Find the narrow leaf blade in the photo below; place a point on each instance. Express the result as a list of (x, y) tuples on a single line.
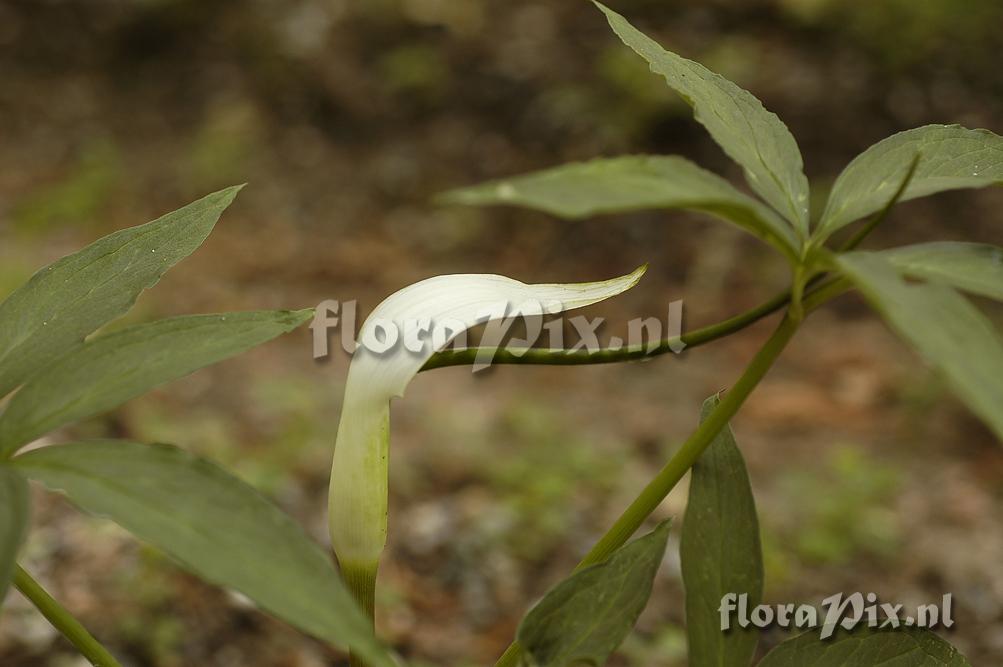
[(214, 524), (751, 136), (630, 183), (902, 647), (972, 267), (73, 297), (111, 369), (585, 617), (13, 522), (943, 327), (951, 157), (720, 552)]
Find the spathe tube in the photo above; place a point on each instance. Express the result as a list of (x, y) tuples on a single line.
[(441, 308)]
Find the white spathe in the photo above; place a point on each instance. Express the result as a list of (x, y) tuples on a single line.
[(441, 307)]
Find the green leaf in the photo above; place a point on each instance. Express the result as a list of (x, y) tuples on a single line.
[(720, 552), (973, 267), (72, 298), (109, 370), (630, 183), (901, 647), (751, 136), (946, 330), (214, 524), (585, 617), (13, 522), (951, 157)]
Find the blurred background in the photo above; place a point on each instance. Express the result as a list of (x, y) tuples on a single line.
[(346, 118)]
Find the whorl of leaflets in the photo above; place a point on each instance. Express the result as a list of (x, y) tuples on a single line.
[(444, 307)]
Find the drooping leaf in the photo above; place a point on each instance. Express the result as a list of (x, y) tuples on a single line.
[(951, 157), (973, 267), (585, 618), (751, 136), (215, 525), (449, 305), (109, 370), (631, 183), (13, 522), (72, 298), (943, 326), (720, 552), (864, 647)]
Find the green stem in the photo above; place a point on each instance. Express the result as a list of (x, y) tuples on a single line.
[(683, 460), (800, 284), (655, 492), (826, 291), (63, 621), (360, 578), (361, 581), (556, 357)]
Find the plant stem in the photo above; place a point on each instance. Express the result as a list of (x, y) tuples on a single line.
[(557, 357), (361, 581), (690, 452), (61, 619), (360, 578), (655, 492), (826, 291)]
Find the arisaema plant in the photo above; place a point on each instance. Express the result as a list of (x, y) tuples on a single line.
[(61, 368)]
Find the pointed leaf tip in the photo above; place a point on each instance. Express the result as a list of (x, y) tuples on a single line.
[(631, 183), (954, 157), (749, 134), (73, 297), (584, 618), (720, 552)]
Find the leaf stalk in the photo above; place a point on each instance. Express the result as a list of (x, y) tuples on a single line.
[(63, 621), (662, 484)]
